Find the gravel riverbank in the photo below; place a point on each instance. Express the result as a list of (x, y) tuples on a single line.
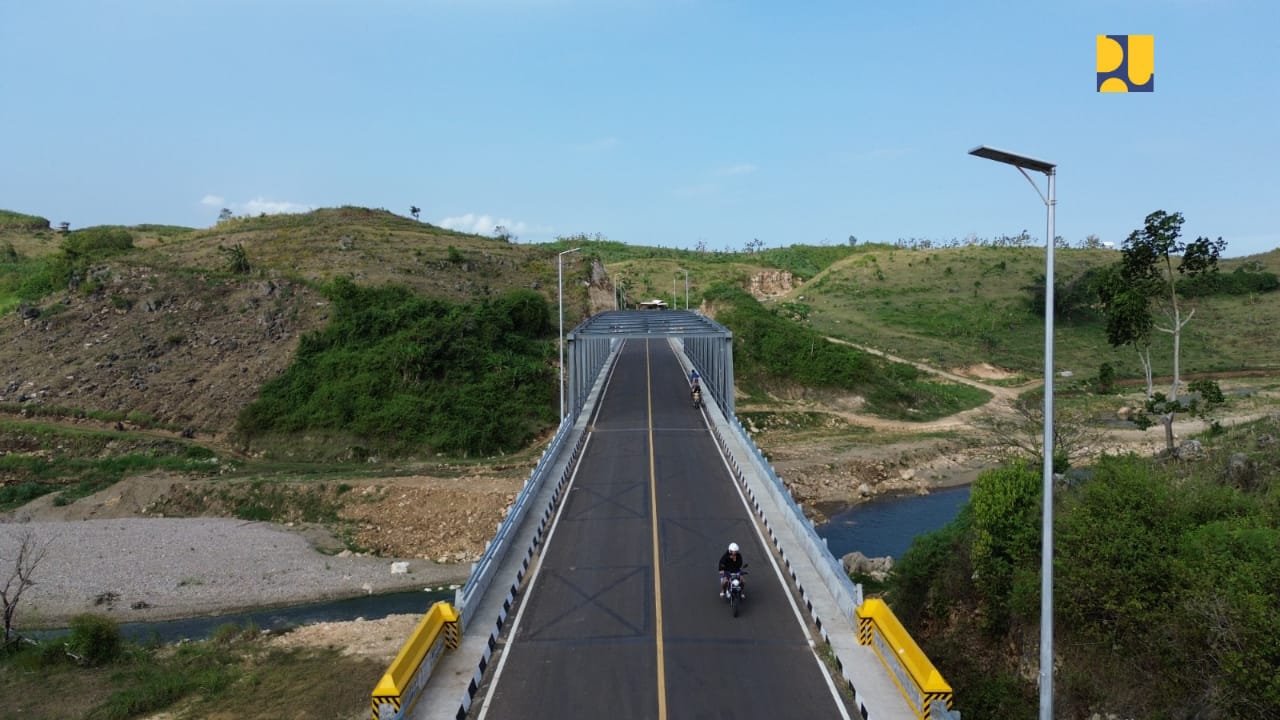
[(139, 569)]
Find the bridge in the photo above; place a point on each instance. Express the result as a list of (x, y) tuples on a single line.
[(599, 596)]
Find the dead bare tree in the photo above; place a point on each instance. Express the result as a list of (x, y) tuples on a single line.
[(29, 553), (1021, 433)]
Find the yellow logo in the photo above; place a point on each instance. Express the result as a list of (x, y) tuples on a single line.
[(1126, 63)]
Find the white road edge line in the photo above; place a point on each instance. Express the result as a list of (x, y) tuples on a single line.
[(804, 627), (533, 579)]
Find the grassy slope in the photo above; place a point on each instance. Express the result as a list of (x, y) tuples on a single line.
[(899, 300), (959, 306)]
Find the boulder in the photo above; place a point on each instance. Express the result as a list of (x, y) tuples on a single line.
[(877, 568)]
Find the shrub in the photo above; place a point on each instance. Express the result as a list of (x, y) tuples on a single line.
[(1106, 381), (1006, 522), (94, 639), (399, 371), (933, 573), (69, 266), (237, 259), (1113, 551)]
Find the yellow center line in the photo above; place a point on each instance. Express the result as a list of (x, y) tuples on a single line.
[(657, 569)]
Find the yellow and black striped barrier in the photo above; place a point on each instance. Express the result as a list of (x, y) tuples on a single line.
[(411, 669), (917, 679)]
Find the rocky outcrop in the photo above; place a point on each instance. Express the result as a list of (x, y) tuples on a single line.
[(768, 284), (181, 349), (877, 568)]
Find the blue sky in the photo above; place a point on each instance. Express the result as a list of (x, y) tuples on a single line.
[(655, 122)]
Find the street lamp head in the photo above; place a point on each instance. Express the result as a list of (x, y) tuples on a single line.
[(1014, 159)]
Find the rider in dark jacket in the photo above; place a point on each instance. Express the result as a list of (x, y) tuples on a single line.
[(730, 562)]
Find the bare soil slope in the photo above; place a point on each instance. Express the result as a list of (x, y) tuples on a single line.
[(185, 350)]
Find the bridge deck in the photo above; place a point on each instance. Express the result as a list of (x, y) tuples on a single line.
[(619, 615), (622, 618)]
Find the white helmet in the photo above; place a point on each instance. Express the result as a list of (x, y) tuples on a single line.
[(733, 547)]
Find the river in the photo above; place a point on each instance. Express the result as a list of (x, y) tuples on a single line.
[(887, 526), (369, 607), (882, 527)]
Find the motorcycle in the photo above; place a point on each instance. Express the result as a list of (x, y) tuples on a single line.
[(697, 399), (736, 593)]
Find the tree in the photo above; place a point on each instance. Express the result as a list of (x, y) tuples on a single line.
[(1020, 434), (1145, 282), (28, 555), (224, 214), (1091, 242), (503, 234), (414, 210)]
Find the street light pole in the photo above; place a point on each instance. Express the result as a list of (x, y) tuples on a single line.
[(560, 295), (686, 289), (1023, 164)]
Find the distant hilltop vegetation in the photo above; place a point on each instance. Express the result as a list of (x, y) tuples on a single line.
[(10, 220)]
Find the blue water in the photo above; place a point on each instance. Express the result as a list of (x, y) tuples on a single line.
[(369, 607), (887, 526), (878, 528)]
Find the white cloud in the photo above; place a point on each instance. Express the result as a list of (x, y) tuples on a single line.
[(258, 205), (739, 169), (483, 224)]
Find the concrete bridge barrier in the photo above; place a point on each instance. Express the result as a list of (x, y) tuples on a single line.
[(917, 679), (409, 672)]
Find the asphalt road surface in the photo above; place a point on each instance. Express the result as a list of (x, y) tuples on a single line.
[(622, 618)]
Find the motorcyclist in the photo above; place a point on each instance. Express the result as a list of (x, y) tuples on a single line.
[(696, 395), (730, 562)]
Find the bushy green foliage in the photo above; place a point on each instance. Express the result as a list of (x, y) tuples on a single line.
[(32, 280), (935, 565), (11, 219), (20, 493), (94, 639), (1075, 297), (78, 462), (96, 242), (804, 261), (1241, 281), (1005, 523), (237, 259), (1229, 572), (771, 348), (1114, 543), (405, 373), (1166, 581), (1105, 383)]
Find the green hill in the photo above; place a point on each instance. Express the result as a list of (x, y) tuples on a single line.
[(351, 342)]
